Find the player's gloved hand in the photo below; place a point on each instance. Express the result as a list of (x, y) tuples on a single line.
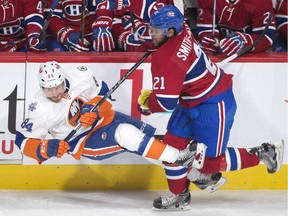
[(138, 41), (102, 38), (7, 46), (111, 4), (209, 44), (131, 41), (143, 102), (70, 39), (52, 148), (36, 43), (88, 118), (234, 42)]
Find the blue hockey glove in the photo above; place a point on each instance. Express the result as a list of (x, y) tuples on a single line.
[(52, 148)]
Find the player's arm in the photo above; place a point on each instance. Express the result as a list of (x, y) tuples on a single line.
[(34, 12), (31, 136), (90, 118), (41, 149), (166, 89), (259, 21)]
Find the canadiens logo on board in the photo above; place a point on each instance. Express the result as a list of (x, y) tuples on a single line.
[(104, 136)]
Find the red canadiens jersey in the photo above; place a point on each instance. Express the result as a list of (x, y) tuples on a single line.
[(181, 70), (20, 19), (68, 13), (242, 16)]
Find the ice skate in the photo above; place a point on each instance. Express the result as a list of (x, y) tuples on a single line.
[(193, 155), (173, 202), (210, 182), (271, 155)]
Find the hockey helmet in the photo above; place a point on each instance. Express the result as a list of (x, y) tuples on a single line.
[(50, 74), (168, 16)]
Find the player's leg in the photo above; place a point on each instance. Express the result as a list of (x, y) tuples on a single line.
[(241, 158), (134, 140), (212, 126)]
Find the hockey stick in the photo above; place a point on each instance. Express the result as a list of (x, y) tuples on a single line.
[(214, 19), (248, 48), (48, 18), (133, 25), (82, 27), (108, 94)]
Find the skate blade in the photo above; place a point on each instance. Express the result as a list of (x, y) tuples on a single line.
[(215, 187), (173, 209), (279, 155)]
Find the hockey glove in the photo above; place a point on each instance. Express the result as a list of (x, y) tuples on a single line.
[(52, 148), (102, 38), (36, 44), (7, 46), (143, 102), (87, 117), (138, 41), (70, 39), (111, 4), (209, 44), (234, 42)]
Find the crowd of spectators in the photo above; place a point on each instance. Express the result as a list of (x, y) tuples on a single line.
[(123, 25)]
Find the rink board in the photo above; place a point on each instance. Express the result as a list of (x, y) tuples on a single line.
[(260, 86)]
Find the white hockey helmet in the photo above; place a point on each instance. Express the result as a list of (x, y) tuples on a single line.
[(50, 74)]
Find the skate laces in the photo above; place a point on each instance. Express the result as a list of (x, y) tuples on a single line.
[(169, 199)]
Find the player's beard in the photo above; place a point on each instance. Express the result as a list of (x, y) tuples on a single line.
[(158, 43)]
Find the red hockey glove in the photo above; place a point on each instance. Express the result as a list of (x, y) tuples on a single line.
[(143, 102), (36, 44), (232, 43), (138, 41), (52, 148), (209, 44), (70, 39), (7, 46), (102, 38), (112, 4)]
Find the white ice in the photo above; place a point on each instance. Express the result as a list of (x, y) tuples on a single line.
[(138, 203)]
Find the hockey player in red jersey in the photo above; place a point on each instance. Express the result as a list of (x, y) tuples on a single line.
[(21, 23), (79, 27), (66, 98), (235, 25), (200, 96), (130, 23)]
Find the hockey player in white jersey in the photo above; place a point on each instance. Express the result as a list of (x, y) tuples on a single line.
[(64, 99)]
